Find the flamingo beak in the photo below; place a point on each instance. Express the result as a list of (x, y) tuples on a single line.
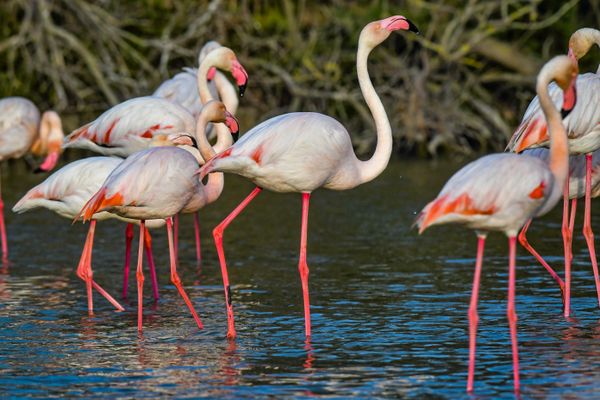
[(49, 162), (233, 125), (211, 74), (240, 75), (569, 100), (398, 22)]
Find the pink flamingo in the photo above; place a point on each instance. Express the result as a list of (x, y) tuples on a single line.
[(65, 192), (300, 152), (158, 183), (583, 128), (182, 88), (501, 192), (22, 131)]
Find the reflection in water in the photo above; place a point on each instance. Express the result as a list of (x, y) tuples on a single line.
[(389, 307)]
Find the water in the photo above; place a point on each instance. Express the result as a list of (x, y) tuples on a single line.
[(389, 307)]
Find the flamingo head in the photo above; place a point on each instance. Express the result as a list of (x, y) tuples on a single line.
[(566, 79), (581, 41), (377, 31), (215, 111), (225, 59), (183, 139), (208, 47), (51, 139)]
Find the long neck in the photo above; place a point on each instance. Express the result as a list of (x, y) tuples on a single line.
[(224, 139), (371, 168), (559, 147), (202, 81), (227, 92)]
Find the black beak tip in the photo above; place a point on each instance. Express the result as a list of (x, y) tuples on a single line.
[(242, 89), (412, 27), (235, 135), (38, 170)]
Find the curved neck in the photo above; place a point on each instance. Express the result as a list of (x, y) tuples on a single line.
[(214, 186), (227, 92), (224, 139), (202, 79), (371, 168), (559, 146)]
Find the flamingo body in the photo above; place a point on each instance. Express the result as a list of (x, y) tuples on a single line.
[(150, 184), (497, 192), (294, 152), (19, 121), (130, 126)]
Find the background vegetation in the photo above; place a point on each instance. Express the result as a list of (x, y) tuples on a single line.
[(461, 85)]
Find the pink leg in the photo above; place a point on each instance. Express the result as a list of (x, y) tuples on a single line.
[(302, 266), (175, 277), (197, 233), (3, 230), (128, 240), (148, 246), (526, 245), (84, 271), (510, 311), (176, 239), (140, 275), (473, 317), (587, 223), (218, 235), (572, 218), (567, 250)]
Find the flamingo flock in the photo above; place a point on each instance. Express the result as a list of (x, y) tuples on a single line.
[(166, 154)]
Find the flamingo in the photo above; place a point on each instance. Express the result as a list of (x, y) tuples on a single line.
[(583, 128), (129, 127), (22, 131), (300, 152), (501, 192), (158, 183), (182, 88)]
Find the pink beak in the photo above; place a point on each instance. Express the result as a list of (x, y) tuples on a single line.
[(212, 71), (233, 125), (240, 75), (398, 22), (50, 161)]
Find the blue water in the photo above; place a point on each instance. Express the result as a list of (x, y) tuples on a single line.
[(389, 308)]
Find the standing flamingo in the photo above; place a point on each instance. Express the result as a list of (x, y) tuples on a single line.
[(65, 192), (182, 88), (22, 131), (158, 183), (501, 192), (583, 130), (300, 152)]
